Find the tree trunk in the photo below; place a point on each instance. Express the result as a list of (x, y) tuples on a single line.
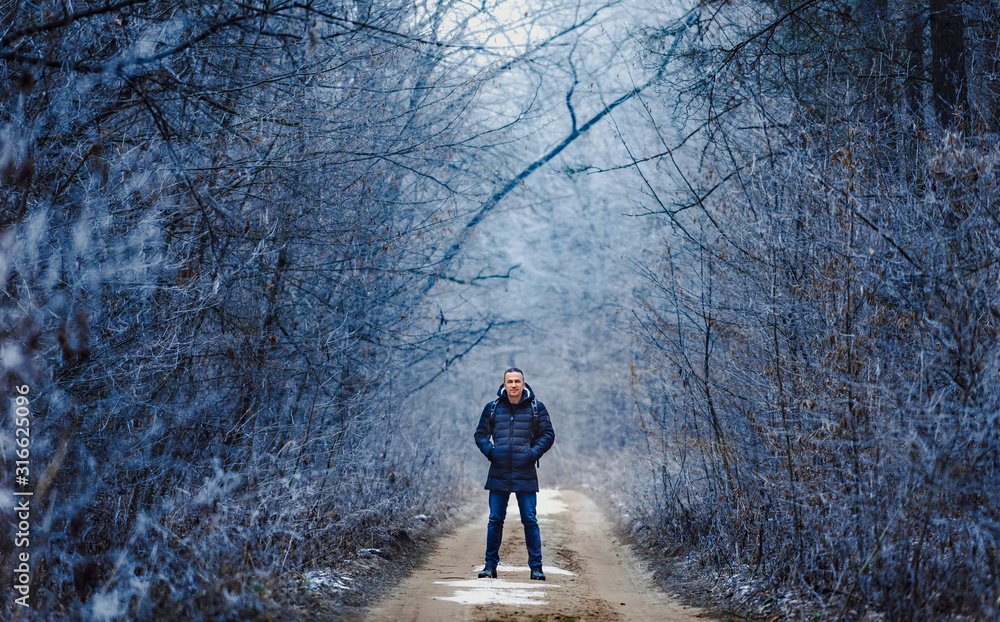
[(948, 77), (913, 66), (991, 62)]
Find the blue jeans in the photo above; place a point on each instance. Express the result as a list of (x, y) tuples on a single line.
[(494, 532)]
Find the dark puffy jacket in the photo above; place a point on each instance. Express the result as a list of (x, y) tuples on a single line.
[(514, 449)]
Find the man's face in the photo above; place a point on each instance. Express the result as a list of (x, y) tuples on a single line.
[(514, 383)]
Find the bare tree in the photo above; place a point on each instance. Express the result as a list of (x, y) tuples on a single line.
[(821, 349), (216, 220)]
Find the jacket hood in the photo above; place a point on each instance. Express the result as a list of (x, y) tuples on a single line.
[(528, 393)]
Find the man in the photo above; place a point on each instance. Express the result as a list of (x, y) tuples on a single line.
[(514, 432)]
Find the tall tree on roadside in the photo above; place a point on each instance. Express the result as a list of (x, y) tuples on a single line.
[(853, 344), (949, 84)]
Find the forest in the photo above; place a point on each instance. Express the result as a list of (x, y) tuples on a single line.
[(262, 264)]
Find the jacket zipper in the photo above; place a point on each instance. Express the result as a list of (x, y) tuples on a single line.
[(510, 444)]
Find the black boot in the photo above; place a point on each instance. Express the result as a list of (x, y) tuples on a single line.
[(537, 574), (488, 572)]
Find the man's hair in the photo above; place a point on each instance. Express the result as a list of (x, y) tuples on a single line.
[(513, 369)]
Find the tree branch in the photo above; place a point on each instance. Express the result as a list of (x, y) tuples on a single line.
[(506, 188)]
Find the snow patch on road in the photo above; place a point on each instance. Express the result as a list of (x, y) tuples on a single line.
[(549, 502), (494, 597), (496, 592), (497, 583), (502, 591)]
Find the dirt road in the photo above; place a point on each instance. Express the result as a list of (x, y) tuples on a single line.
[(591, 575)]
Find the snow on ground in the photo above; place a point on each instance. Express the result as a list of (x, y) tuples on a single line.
[(497, 594), (315, 579), (549, 502), (500, 591)]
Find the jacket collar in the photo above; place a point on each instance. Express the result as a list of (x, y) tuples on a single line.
[(528, 394)]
